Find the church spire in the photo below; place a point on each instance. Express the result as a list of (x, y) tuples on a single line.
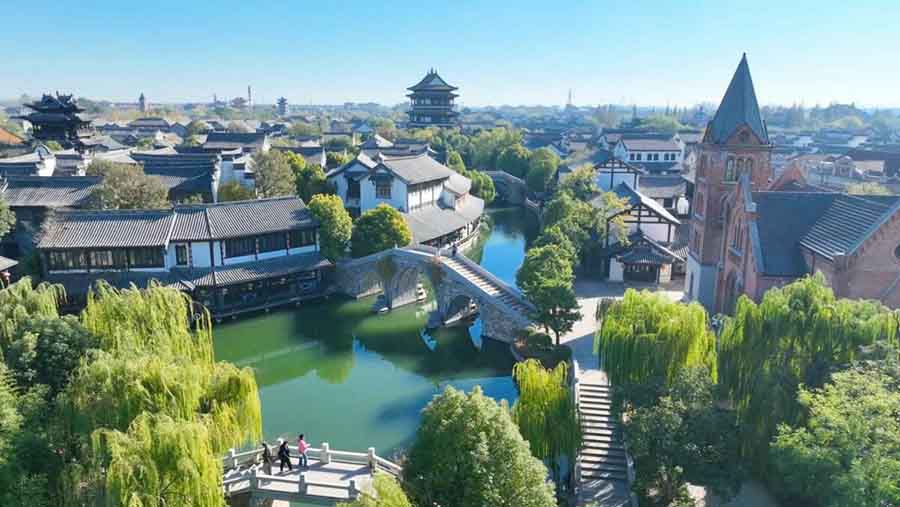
[(738, 108)]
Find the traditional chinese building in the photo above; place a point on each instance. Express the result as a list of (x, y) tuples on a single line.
[(431, 102), (56, 119)]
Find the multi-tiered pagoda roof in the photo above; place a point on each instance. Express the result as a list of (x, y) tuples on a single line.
[(56, 118)]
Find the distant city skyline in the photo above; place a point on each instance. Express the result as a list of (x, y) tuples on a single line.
[(530, 54)]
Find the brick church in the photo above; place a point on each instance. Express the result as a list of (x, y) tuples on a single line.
[(750, 233)]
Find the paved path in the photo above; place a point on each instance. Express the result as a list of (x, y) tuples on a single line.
[(602, 464)]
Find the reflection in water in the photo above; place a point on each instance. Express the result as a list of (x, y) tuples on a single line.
[(338, 373)]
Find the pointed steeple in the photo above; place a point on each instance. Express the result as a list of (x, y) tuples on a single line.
[(738, 108)]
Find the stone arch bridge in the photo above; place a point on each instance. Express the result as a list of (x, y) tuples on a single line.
[(458, 281)]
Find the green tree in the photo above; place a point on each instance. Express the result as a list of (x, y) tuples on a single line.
[(514, 160), (542, 167), (53, 146), (336, 226), (794, 336), (233, 191), (646, 335), (682, 436), (564, 206), (385, 127), (482, 186), (304, 129), (341, 143), (196, 128), (455, 162), (847, 450), (335, 159), (543, 265), (125, 186), (487, 145), (556, 236), (147, 143), (310, 178), (7, 218), (378, 229), (238, 127), (274, 177), (153, 410), (388, 493), (545, 413), (556, 307), (581, 183), (660, 123), (468, 451)]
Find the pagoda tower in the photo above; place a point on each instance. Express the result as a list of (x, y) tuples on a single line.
[(431, 102), (55, 118), (736, 142), (142, 104)]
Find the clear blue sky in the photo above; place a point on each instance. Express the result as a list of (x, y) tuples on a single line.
[(523, 52)]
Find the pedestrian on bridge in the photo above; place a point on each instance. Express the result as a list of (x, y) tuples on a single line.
[(302, 447), (284, 454), (267, 458)]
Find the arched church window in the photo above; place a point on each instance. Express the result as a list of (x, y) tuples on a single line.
[(749, 168), (729, 169), (740, 165)]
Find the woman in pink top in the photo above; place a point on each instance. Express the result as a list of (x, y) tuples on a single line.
[(302, 446)]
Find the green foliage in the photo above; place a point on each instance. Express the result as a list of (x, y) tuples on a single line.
[(335, 159), (309, 178), (21, 301), (609, 219), (7, 218), (388, 493), (196, 128), (378, 229), (385, 127), (556, 307), (847, 452), (542, 167), (152, 397), (146, 143), (580, 183), (796, 335), (556, 236), (514, 160), (125, 186), (482, 186), (304, 129), (53, 146), (660, 123), (274, 177), (542, 266), (564, 206), (338, 143), (237, 126), (868, 188), (336, 227), (682, 436), (455, 162), (545, 413), (487, 145), (192, 199), (468, 451), (234, 191), (645, 335)]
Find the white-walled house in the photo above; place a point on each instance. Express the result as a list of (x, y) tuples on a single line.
[(654, 153), (433, 198), (230, 256)]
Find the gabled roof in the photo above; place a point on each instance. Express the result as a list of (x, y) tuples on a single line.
[(847, 223), (375, 142), (107, 229), (662, 186), (737, 109), (431, 82), (416, 168), (635, 198), (240, 218), (649, 143), (49, 191)]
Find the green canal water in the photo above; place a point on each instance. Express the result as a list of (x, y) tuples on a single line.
[(340, 374)]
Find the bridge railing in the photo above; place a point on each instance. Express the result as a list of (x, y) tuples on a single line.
[(513, 291), (323, 454)]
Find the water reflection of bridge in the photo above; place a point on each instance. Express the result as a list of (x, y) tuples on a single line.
[(461, 287)]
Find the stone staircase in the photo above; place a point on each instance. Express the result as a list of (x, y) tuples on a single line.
[(603, 458), (484, 283)]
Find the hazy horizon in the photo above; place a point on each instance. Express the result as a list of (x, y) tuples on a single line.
[(678, 55)]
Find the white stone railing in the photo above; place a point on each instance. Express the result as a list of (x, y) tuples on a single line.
[(324, 454)]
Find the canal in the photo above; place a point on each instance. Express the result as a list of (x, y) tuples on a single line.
[(340, 374)]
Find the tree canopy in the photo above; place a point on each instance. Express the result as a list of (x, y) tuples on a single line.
[(7, 218), (514, 160), (468, 451), (309, 178), (542, 167), (796, 335), (125, 186), (646, 335), (274, 177), (580, 183), (233, 191), (543, 266), (336, 226), (378, 229)]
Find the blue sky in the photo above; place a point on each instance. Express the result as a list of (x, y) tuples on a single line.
[(523, 52)]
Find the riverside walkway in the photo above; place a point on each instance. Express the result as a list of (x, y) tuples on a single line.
[(332, 477)]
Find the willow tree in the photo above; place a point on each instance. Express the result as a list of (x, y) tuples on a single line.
[(154, 401), (646, 335), (545, 413), (794, 337), (21, 301)]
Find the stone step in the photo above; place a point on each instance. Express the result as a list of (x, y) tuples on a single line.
[(607, 463), (603, 451), (607, 439), (601, 474), (594, 406), (594, 396)]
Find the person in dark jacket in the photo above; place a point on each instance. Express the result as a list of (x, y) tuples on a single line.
[(284, 454), (267, 459)]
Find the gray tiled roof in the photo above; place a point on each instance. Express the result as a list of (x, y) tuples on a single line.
[(182, 172), (417, 168), (783, 218), (433, 222), (240, 218), (634, 198), (662, 186), (738, 107), (847, 223), (647, 143), (49, 192), (224, 140), (431, 82), (107, 229), (250, 271)]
